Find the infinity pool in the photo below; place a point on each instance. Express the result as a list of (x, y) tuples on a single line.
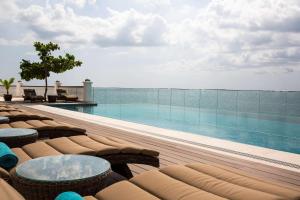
[(280, 132)]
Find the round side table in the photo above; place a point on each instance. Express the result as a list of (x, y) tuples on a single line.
[(4, 120), (46, 177), (17, 137)]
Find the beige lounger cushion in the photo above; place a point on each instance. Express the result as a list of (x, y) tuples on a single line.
[(74, 128), (82, 144), (47, 128), (89, 198), (4, 174), (20, 124), (15, 113), (4, 114), (126, 191), (21, 154), (8, 193), (226, 174), (124, 146), (3, 109), (22, 114), (55, 124), (39, 149), (198, 181), (67, 146), (191, 182), (213, 185), (93, 144), (5, 126), (39, 125), (166, 187)]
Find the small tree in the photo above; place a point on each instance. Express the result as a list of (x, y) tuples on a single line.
[(41, 70), (7, 84)]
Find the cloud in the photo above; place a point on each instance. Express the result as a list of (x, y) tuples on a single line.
[(242, 34), (8, 10), (223, 35), (131, 28), (128, 28), (267, 15), (24, 40), (80, 3), (154, 3)]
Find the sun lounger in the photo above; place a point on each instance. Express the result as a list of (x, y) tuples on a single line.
[(6, 106), (118, 152), (4, 109), (62, 95), (47, 128), (7, 192), (30, 94), (190, 182), (196, 181), (21, 115)]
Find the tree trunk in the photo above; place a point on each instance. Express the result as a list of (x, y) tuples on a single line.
[(46, 85)]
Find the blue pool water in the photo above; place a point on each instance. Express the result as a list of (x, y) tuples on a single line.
[(269, 126)]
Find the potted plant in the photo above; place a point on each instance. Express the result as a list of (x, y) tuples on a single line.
[(7, 84)]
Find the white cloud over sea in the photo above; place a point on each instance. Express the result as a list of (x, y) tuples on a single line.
[(162, 40)]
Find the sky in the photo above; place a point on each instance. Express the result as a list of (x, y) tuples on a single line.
[(206, 44)]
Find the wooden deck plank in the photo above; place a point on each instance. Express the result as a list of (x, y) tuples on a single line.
[(174, 153)]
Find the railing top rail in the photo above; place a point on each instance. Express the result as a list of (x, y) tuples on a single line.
[(200, 89)]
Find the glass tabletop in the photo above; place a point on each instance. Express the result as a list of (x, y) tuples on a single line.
[(4, 119), (14, 132), (63, 168)]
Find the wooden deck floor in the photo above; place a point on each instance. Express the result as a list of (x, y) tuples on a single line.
[(173, 153)]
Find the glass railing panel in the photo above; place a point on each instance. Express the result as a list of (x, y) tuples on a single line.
[(272, 102), (209, 99), (129, 96), (293, 104), (248, 101), (164, 96), (114, 96), (209, 103), (293, 97), (192, 98), (151, 95), (227, 100), (178, 97), (100, 95), (293, 110)]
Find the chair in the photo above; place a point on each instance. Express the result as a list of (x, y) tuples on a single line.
[(118, 152), (62, 95), (197, 181), (4, 109), (22, 115), (30, 94), (46, 128), (186, 182)]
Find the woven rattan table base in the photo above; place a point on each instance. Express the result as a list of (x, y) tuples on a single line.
[(19, 141), (37, 190)]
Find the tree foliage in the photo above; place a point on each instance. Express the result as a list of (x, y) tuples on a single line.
[(7, 84), (48, 63)]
